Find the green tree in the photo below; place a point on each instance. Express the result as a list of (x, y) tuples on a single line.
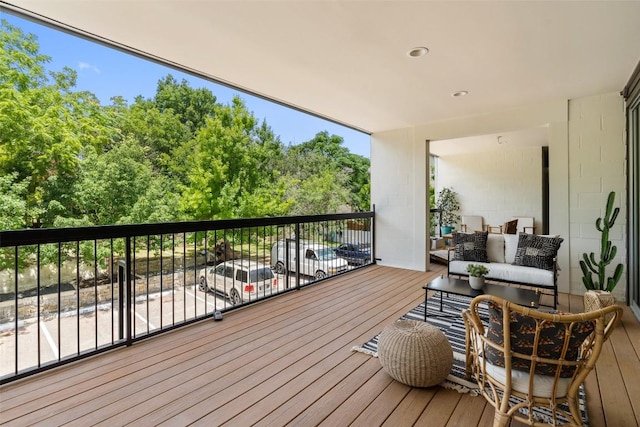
[(12, 205), (160, 132), (111, 182), (44, 125), (192, 106), (159, 203), (228, 176), (325, 158)]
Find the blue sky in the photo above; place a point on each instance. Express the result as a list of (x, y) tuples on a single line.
[(107, 72)]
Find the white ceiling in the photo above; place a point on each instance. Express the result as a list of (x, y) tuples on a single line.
[(536, 137), (347, 60)]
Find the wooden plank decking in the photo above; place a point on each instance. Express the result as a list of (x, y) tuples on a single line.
[(287, 361)]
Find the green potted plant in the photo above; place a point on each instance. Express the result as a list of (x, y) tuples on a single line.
[(447, 203), (476, 275), (594, 270)]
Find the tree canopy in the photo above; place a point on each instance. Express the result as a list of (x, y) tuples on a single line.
[(66, 159)]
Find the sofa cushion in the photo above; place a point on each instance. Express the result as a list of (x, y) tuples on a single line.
[(543, 385), (508, 273), (495, 247), (510, 246), (470, 246), (523, 335), (537, 251)]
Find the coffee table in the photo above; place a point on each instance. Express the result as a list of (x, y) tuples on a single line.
[(450, 285)]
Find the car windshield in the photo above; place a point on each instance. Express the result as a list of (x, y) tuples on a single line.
[(261, 274), (326, 254)]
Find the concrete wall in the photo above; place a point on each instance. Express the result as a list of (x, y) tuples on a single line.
[(398, 189), (496, 184), (597, 152), (586, 160)]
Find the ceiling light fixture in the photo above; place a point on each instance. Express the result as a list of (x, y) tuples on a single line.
[(417, 52), (460, 93)]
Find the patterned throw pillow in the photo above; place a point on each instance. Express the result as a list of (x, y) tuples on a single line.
[(550, 345), (470, 246), (537, 251)]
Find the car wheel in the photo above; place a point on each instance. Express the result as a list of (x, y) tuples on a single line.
[(234, 297), (203, 284), (280, 268), (320, 274)]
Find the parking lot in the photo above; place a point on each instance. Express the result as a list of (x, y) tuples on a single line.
[(70, 331)]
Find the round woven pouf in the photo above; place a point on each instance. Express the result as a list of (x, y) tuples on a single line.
[(415, 353)]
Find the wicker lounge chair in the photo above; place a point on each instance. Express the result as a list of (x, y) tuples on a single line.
[(540, 357)]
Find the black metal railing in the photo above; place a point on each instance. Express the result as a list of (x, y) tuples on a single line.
[(70, 293)]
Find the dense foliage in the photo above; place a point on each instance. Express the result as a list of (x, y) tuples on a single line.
[(65, 159)]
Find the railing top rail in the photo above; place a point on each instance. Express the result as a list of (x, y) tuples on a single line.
[(55, 235)]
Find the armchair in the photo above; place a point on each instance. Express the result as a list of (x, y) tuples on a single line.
[(542, 358), (471, 223), (526, 224)]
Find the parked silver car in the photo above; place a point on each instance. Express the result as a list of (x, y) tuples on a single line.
[(239, 280)]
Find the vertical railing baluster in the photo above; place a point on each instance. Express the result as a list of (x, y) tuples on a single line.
[(206, 272), (195, 275), (147, 280), (17, 316), (121, 297), (110, 273), (78, 345), (372, 230), (59, 296), (129, 289), (38, 304), (173, 279), (206, 262), (297, 228), (95, 289), (184, 275), (161, 287)]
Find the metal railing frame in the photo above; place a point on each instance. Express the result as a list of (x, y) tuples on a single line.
[(125, 334)]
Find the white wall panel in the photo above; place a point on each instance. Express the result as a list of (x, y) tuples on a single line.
[(398, 190)]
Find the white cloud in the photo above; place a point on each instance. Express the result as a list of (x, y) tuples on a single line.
[(86, 66)]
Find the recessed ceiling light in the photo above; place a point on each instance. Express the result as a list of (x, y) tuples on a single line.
[(418, 51), (460, 93)]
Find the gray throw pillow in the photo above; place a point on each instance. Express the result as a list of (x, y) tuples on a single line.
[(470, 246), (537, 251)]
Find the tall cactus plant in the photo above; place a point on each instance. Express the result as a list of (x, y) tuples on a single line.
[(590, 266)]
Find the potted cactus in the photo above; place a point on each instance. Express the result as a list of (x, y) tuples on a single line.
[(594, 270)]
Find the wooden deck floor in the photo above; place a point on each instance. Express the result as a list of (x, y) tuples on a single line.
[(287, 361)]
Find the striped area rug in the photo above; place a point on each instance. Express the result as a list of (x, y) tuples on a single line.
[(451, 324)]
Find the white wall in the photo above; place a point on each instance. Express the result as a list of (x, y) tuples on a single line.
[(401, 144), (586, 161), (597, 152), (398, 190), (496, 184)]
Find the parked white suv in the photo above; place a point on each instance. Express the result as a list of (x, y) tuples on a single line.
[(240, 280)]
